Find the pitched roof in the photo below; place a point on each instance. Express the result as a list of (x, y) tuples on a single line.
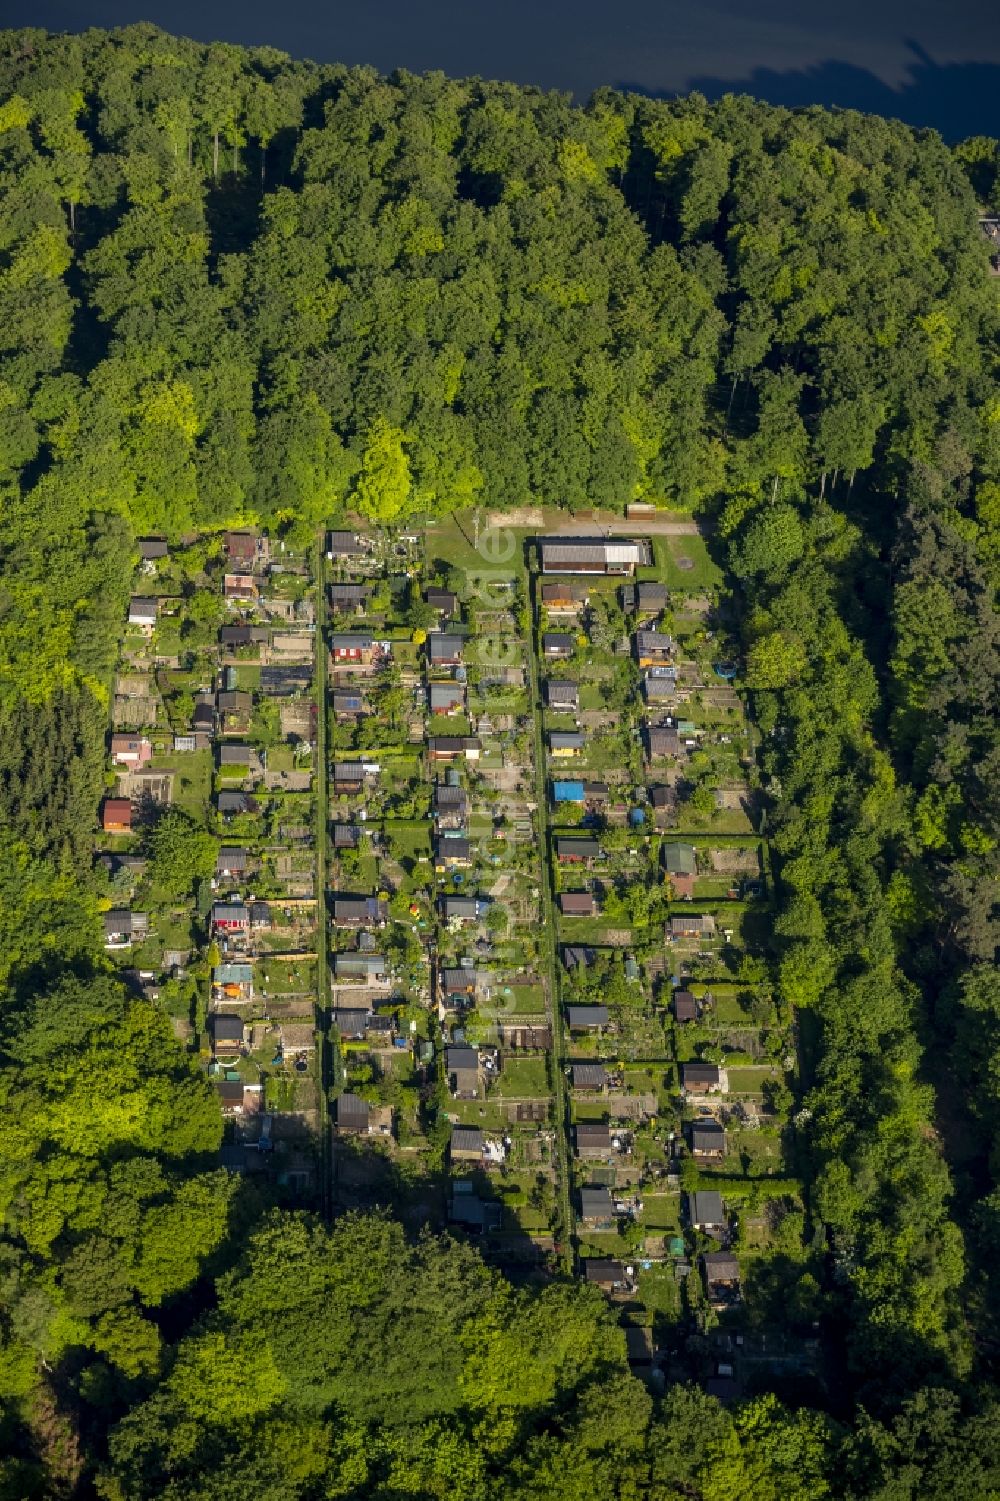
[(650, 595), (708, 1136), (459, 978), (721, 1266), (654, 641), (449, 745), (589, 1075), (343, 544), (685, 1006), (347, 701), (350, 1021), (461, 1058), (579, 848), (226, 1027), (596, 1204), (695, 923), (466, 1139), (700, 1073), (587, 1016), (348, 771), (240, 544), (352, 1112), (561, 691), (444, 645), (576, 903), (228, 912), (235, 801), (593, 550), (679, 859), (461, 906), (452, 850), (235, 755), (441, 599), (351, 640), (231, 857), (357, 909), (592, 1134), (706, 1207), (446, 695), (603, 1269), (446, 796), (662, 741)]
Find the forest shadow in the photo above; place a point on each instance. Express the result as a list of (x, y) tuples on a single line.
[(956, 99), (369, 1180)]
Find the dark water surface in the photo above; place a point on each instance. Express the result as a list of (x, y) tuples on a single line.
[(930, 62)]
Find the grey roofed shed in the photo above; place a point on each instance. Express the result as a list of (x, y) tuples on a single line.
[(348, 594), (445, 695), (561, 692), (226, 1027), (721, 1266), (566, 740), (587, 1016), (603, 1269), (352, 1113), (350, 1021), (679, 859), (342, 544), (566, 554), (591, 1136), (699, 1073), (649, 595), (580, 849), (706, 1207), (461, 1057), (444, 646), (708, 1137), (589, 1075), (596, 1204), (466, 1139)]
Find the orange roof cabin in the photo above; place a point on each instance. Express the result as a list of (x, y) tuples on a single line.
[(131, 750), (240, 586), (116, 815)]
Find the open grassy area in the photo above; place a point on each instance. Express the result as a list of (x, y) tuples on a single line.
[(661, 1211), (523, 1078), (685, 564)]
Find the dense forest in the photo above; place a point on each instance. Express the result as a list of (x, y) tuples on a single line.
[(234, 287)]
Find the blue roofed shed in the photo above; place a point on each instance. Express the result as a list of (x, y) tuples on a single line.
[(568, 792)]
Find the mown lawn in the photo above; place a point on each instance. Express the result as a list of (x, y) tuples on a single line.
[(523, 1078)]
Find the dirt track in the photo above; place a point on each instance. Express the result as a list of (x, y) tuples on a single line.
[(532, 516)]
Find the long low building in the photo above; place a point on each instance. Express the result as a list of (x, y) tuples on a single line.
[(606, 555)]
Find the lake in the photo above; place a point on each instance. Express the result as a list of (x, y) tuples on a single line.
[(926, 62)]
